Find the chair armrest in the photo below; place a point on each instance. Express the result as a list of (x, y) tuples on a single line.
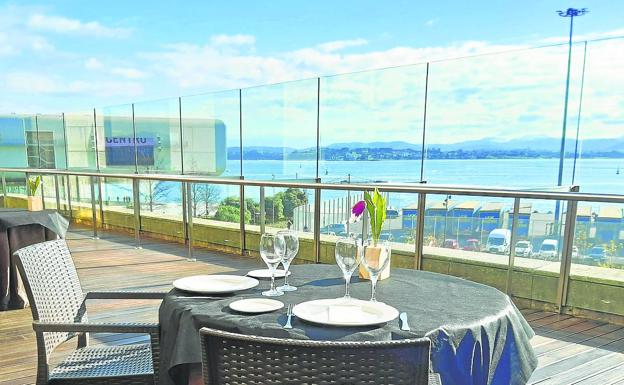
[(79, 327), (434, 379), (125, 295)]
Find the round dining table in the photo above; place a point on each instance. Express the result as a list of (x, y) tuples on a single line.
[(478, 335)]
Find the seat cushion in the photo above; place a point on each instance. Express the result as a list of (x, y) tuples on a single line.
[(105, 361)]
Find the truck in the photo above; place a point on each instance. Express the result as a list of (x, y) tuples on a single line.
[(498, 241)]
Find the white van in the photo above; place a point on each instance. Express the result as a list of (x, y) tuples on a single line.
[(498, 241), (549, 249)]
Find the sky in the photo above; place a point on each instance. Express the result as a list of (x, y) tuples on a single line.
[(70, 56)]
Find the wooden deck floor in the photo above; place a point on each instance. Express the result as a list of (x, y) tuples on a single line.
[(570, 350)]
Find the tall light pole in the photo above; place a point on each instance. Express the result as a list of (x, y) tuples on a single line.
[(571, 13)]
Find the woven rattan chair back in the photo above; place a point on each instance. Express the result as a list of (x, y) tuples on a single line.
[(52, 286), (236, 359)]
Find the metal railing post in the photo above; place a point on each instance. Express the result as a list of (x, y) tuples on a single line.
[(99, 186), (262, 210), (136, 203), (243, 206), (68, 191), (317, 224), (93, 212), (184, 212), (512, 246), (57, 193), (4, 190), (189, 223), (419, 235), (566, 255), (42, 192)]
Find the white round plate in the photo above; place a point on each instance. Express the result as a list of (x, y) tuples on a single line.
[(341, 312), (266, 273), (215, 284), (256, 305)]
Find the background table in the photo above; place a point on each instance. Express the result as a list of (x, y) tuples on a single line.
[(478, 335), (20, 228)]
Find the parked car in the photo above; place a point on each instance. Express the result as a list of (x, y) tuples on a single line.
[(335, 229), (450, 244), (392, 213), (597, 254), (472, 245), (498, 241), (524, 249), (386, 236), (549, 249)]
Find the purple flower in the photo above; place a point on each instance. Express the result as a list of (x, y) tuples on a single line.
[(357, 211)]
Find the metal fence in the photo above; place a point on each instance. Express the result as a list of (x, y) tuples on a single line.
[(570, 199)]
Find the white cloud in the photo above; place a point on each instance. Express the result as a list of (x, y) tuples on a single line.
[(431, 22), (125, 72), (38, 83), (14, 43), (583, 37), (239, 39), (129, 73), (93, 64), (30, 82), (61, 24), (341, 44)]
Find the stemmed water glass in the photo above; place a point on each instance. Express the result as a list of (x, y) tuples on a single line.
[(291, 243), (272, 250), (348, 257), (375, 260)]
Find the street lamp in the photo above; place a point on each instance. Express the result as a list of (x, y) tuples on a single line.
[(571, 13)]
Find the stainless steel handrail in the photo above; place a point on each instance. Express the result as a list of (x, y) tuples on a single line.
[(398, 188)]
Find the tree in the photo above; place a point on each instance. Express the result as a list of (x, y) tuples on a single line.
[(253, 208), (156, 191), (230, 214), (233, 201), (203, 195), (291, 199), (581, 241), (227, 213), (274, 208)]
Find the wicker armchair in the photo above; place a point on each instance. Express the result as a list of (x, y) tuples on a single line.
[(236, 359), (59, 313)]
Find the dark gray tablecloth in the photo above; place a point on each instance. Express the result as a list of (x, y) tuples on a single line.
[(478, 335), (20, 228)]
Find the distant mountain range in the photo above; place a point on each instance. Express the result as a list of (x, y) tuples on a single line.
[(545, 147), (535, 144)]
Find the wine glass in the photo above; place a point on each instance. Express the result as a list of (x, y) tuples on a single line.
[(291, 243), (375, 260), (272, 252), (348, 257)]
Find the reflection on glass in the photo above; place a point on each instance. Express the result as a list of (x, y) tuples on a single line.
[(80, 132), (279, 131), (600, 167), (211, 133), (372, 121), (18, 141), (116, 142), (157, 126), (501, 115)]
